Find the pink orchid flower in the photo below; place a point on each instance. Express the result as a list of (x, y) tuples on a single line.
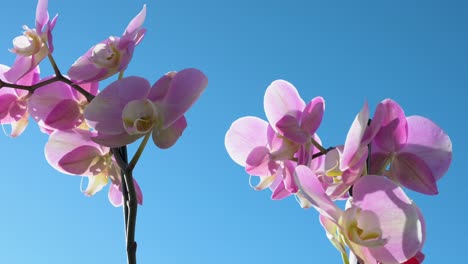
[(59, 106), (14, 102), (289, 115), (380, 224), (34, 45), (416, 150), (345, 164), (130, 108), (271, 150), (110, 56), (73, 152)]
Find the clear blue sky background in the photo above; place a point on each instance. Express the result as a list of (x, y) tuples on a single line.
[(198, 205)]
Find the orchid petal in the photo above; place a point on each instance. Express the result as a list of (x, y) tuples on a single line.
[(354, 137), (393, 134), (312, 115), (313, 190), (167, 137), (115, 195), (400, 221), (244, 135), (136, 23), (413, 173), (185, 88), (289, 127), (430, 143), (104, 112), (281, 98)]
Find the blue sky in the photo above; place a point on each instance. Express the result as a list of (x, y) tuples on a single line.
[(198, 205)]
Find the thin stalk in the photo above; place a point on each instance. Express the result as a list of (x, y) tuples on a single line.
[(317, 145), (138, 153)]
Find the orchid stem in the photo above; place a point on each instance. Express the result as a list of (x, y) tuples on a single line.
[(317, 145), (54, 65), (132, 207), (138, 153)]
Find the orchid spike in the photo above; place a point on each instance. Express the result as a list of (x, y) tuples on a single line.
[(110, 56)]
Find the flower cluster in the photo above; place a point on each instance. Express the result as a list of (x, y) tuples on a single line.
[(379, 157), (84, 125)]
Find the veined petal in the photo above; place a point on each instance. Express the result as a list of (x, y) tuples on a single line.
[(281, 98), (312, 189), (104, 113), (185, 88), (258, 162), (430, 143), (83, 160), (331, 230), (311, 117), (42, 15), (115, 141), (400, 221), (62, 143), (136, 23), (115, 195), (354, 137), (167, 137), (413, 173), (290, 128), (244, 135), (393, 134)]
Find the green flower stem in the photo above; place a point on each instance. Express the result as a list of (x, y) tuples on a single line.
[(138, 153)]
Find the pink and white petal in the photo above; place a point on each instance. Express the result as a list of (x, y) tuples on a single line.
[(139, 193), (185, 88), (63, 142), (161, 87), (354, 137), (331, 229), (135, 24), (82, 161), (281, 98), (245, 134), (7, 99), (115, 195), (312, 115), (167, 137), (115, 141), (430, 143), (42, 15), (375, 125), (290, 128), (84, 70), (280, 192), (45, 100), (30, 78), (312, 189), (258, 163), (401, 223), (104, 112), (413, 173), (393, 134), (288, 177), (21, 67), (65, 115)]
